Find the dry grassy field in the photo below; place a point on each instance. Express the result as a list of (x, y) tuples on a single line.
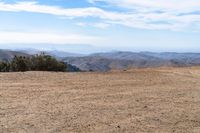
[(163, 100)]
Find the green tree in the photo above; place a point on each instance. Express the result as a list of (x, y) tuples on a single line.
[(40, 62), (20, 64), (4, 67)]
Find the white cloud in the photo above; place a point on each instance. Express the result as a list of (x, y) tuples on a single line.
[(151, 14), (97, 25), (101, 25), (54, 10), (81, 24), (183, 5), (50, 38)]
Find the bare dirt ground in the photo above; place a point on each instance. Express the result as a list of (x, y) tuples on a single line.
[(163, 100)]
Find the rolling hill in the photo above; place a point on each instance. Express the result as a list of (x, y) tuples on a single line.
[(125, 60), (153, 100), (6, 55), (115, 60)]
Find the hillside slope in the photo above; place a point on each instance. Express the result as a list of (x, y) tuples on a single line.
[(125, 60), (6, 55), (116, 60), (149, 100)]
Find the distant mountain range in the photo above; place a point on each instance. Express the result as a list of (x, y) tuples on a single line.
[(7, 55), (55, 53), (126, 60), (114, 60)]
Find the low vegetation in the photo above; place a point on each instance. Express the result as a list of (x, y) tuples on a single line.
[(153, 100), (33, 63)]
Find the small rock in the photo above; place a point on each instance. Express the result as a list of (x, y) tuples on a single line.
[(145, 106)]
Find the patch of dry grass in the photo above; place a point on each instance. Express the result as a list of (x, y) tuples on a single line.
[(141, 100)]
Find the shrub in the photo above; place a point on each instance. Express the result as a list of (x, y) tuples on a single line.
[(20, 63), (33, 63), (4, 67)]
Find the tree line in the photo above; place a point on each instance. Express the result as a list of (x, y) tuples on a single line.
[(40, 62)]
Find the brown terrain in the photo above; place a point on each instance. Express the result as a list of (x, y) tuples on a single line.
[(159, 100)]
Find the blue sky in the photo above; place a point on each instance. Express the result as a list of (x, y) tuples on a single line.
[(131, 25)]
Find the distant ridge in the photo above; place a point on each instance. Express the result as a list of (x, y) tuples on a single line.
[(115, 60), (125, 60), (6, 55), (55, 53)]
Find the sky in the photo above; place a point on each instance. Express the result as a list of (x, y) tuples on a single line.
[(101, 25)]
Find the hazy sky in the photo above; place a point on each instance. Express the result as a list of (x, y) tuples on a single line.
[(140, 25)]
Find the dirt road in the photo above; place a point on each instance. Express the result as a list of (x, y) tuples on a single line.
[(145, 100)]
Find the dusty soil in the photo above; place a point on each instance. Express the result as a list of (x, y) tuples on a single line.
[(161, 100)]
